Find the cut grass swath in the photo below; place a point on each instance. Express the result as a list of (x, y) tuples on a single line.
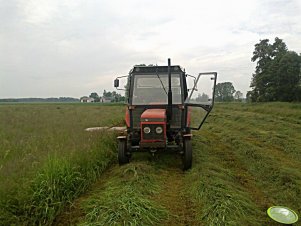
[(125, 199)]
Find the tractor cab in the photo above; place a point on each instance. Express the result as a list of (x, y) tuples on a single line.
[(151, 87), (160, 109)]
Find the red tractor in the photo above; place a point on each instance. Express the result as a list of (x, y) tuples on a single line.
[(162, 110)]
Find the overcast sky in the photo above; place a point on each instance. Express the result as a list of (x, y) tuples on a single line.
[(53, 48)]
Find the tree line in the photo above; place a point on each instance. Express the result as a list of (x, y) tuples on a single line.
[(107, 96), (38, 100)]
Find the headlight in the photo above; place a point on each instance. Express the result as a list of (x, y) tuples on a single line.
[(146, 130), (159, 129)]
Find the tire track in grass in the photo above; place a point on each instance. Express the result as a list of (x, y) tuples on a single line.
[(174, 197)]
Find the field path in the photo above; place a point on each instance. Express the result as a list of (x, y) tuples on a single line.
[(175, 199)]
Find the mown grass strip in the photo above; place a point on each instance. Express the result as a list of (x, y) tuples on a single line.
[(253, 156), (221, 200), (126, 199), (277, 173)]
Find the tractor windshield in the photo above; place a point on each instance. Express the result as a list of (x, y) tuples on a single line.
[(153, 88)]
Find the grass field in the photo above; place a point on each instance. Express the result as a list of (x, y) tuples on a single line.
[(47, 159), (247, 157)]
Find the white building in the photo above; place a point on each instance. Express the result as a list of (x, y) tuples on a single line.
[(86, 99)]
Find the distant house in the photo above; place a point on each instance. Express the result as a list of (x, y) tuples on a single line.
[(86, 99), (106, 99)]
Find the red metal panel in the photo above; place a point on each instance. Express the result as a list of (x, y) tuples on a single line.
[(189, 116), (127, 117), (154, 113)]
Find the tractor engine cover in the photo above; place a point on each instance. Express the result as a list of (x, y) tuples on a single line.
[(153, 128)]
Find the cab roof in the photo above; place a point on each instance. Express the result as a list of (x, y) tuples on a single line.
[(157, 69)]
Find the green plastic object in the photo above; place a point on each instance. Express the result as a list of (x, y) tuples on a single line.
[(282, 214)]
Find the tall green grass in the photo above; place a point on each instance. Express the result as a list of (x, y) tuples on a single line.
[(48, 158)]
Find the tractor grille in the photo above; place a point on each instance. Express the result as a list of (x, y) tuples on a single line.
[(152, 135)]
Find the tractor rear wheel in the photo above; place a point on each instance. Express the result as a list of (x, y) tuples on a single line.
[(187, 156), (122, 155)]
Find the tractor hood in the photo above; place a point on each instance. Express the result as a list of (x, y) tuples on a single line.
[(151, 114)]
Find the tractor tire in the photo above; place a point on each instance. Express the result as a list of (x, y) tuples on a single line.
[(122, 155), (187, 156)]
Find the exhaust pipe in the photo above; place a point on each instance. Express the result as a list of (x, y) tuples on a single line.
[(169, 107)]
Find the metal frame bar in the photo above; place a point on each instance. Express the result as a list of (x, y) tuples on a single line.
[(207, 108)]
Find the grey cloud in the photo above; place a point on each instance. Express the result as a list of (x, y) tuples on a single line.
[(75, 47), (274, 17)]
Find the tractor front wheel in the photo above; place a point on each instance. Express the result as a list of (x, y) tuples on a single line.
[(122, 155), (187, 156)]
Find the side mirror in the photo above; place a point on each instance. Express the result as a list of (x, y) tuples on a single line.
[(116, 83)]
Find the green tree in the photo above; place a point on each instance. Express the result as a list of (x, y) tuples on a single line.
[(95, 97), (238, 95), (224, 91), (277, 73), (114, 96), (288, 78), (202, 98), (249, 96), (107, 94)]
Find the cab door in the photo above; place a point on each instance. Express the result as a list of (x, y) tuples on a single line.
[(200, 99)]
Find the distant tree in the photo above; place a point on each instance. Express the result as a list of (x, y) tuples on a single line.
[(202, 98), (277, 73), (117, 97), (238, 95), (113, 96), (249, 96), (107, 94), (224, 91), (51, 99), (95, 97)]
